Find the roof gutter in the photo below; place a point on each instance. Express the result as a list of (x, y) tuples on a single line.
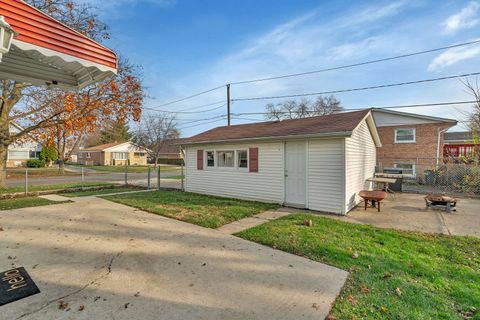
[(342, 134)]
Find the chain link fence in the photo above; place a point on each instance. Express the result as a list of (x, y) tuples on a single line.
[(427, 175), (27, 180)]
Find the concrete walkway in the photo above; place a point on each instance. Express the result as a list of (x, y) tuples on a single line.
[(102, 260), (250, 222)]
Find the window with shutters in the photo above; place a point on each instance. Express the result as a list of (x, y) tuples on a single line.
[(210, 158), (242, 158)]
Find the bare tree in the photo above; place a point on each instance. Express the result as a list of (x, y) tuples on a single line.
[(154, 132), (292, 109), (473, 88)]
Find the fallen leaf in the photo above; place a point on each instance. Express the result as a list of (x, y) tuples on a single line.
[(355, 255), (386, 275), (315, 306), (81, 308), (349, 249), (352, 300), (384, 309), (364, 288), (62, 305), (330, 317), (398, 291), (126, 305), (137, 294)]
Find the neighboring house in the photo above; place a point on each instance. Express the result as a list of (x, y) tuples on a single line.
[(319, 163), (459, 144), (171, 150), (411, 142), (19, 153), (116, 154)]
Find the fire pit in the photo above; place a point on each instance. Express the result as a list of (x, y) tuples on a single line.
[(441, 201), (374, 196)]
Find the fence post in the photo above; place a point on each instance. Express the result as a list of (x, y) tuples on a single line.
[(83, 178), (126, 173), (148, 178), (182, 177), (26, 181), (158, 178)]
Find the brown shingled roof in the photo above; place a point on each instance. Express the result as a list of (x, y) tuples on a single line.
[(341, 123), (102, 147)]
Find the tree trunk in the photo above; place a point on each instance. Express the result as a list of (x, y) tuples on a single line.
[(61, 166), (3, 165), (156, 162)]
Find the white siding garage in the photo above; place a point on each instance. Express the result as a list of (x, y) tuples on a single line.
[(321, 171), (264, 185)]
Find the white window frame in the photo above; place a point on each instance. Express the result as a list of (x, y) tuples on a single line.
[(88, 155), (124, 156), (237, 158), (206, 159), (235, 166), (409, 141), (414, 169), (234, 159)]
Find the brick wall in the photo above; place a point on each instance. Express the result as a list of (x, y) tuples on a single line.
[(423, 152), (96, 158)]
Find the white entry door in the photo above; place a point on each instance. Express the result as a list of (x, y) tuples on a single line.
[(295, 174)]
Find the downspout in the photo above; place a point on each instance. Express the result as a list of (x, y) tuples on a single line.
[(439, 138)]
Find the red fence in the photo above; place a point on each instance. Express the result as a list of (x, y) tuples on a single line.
[(459, 150)]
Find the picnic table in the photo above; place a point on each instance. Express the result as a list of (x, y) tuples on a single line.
[(384, 182)]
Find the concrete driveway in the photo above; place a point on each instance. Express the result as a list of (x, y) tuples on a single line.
[(109, 261), (408, 212)]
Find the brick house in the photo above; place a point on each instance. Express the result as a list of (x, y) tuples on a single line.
[(411, 142), (115, 154)]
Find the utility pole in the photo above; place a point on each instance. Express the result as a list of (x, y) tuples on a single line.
[(228, 103)]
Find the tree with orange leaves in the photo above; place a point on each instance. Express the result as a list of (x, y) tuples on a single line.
[(60, 115), (80, 113)]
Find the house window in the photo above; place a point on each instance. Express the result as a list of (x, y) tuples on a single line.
[(18, 155), (119, 155), (242, 158), (34, 154), (405, 135), (139, 154), (408, 169), (210, 159), (87, 155), (226, 159)]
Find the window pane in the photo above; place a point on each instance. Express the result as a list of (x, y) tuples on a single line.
[(405, 135), (407, 168), (226, 158), (210, 159), (242, 158), (18, 155)]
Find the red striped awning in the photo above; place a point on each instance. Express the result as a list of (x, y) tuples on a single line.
[(45, 51)]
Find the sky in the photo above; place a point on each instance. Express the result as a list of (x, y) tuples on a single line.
[(189, 46)]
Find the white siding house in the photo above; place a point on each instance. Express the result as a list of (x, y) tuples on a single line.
[(22, 151), (319, 163)]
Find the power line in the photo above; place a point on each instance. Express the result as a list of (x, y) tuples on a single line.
[(188, 109), (363, 108), (196, 125), (191, 112), (361, 88), (359, 64), (190, 96)]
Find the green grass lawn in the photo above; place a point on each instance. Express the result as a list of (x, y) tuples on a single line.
[(17, 173), (53, 187), (86, 193), (9, 204), (202, 210), (131, 169), (438, 277)]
